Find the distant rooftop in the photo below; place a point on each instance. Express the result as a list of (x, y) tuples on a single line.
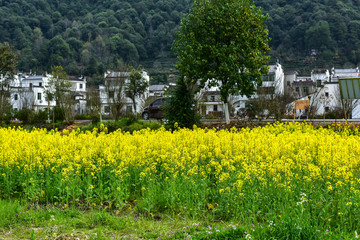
[(34, 77), (319, 71), (117, 74), (157, 87), (291, 72)]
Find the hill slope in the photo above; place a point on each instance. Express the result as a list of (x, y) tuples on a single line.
[(89, 36)]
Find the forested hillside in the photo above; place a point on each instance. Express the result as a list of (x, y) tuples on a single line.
[(89, 36), (330, 27)]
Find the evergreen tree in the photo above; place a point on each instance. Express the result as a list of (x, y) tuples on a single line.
[(180, 106)]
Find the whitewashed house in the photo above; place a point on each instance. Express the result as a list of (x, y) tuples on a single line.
[(27, 92), (78, 87), (210, 103), (113, 92), (344, 73), (157, 90), (326, 96)]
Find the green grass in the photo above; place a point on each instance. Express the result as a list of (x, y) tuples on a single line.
[(19, 220)]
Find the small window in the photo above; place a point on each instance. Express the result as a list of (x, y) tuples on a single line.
[(215, 108), (297, 89), (212, 98), (15, 97), (30, 86), (81, 86), (157, 103), (306, 90), (107, 109), (327, 109), (39, 96), (318, 83), (288, 83), (326, 94), (272, 77), (40, 84), (111, 94)]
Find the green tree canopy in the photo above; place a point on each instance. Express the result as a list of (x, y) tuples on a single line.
[(136, 86), (8, 60), (223, 43)]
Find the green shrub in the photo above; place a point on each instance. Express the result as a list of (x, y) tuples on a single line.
[(95, 118), (24, 115), (39, 117), (83, 117)]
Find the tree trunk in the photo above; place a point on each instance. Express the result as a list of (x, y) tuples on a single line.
[(48, 111), (134, 103), (226, 110)]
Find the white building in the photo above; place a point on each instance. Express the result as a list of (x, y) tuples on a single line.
[(157, 90), (344, 73), (27, 92), (211, 104), (113, 92), (273, 83), (326, 97)]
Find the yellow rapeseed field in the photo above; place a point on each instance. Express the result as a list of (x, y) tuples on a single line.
[(267, 169)]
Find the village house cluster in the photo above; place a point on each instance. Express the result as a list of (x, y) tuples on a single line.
[(26, 91)]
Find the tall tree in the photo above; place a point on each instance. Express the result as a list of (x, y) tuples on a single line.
[(60, 90), (93, 101), (8, 62), (136, 86), (223, 43), (180, 106)]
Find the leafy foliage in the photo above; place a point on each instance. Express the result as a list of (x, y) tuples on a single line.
[(137, 85), (223, 43), (87, 37), (179, 107), (8, 60)]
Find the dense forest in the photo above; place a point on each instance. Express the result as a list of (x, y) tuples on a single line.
[(89, 36)]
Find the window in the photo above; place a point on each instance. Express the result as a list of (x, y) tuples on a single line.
[(326, 94), (212, 98), (107, 109), (306, 90), (271, 77), (15, 97), (111, 94), (81, 86), (156, 103), (297, 89), (30, 86), (318, 83), (327, 109), (39, 96), (215, 108), (288, 83), (267, 90), (40, 84)]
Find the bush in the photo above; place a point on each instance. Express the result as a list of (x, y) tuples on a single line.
[(95, 118), (24, 115), (59, 114), (6, 117), (83, 117), (39, 117), (29, 116)]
